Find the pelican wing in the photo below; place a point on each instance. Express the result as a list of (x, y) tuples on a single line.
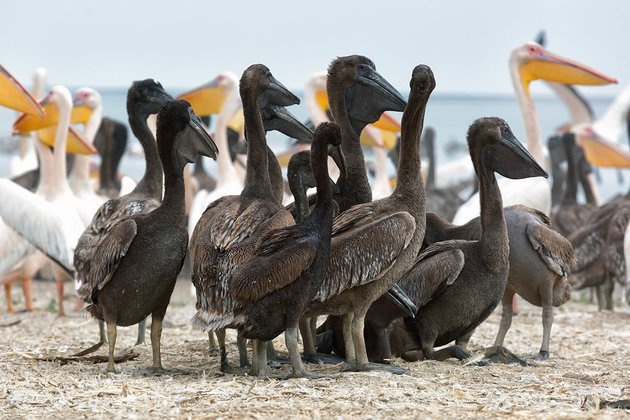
[(436, 268), (39, 222), (615, 259), (107, 257), (13, 248), (554, 249), (280, 260), (363, 249)]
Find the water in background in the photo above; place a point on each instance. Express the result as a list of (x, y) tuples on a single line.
[(449, 114)]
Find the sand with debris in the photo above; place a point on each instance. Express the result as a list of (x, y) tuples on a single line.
[(590, 363)]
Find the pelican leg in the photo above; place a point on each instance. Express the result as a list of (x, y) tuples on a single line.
[(362, 362), (101, 330), (59, 283), (225, 365), (499, 354), (263, 369), (506, 316), (142, 326), (212, 344), (241, 342), (7, 295), (253, 371), (307, 336), (298, 370), (111, 335), (547, 321), (156, 337), (351, 358), (26, 290)]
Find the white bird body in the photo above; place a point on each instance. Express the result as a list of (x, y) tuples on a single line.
[(50, 222), (87, 201), (381, 187)]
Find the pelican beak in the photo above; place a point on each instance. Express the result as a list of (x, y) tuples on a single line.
[(278, 118), (321, 97), (237, 122), (207, 99), (276, 94), (28, 122), (545, 65), (601, 152), (369, 97), (14, 96), (509, 158), (202, 142), (397, 296), (387, 122), (374, 137), (75, 142), (81, 111), (336, 153)]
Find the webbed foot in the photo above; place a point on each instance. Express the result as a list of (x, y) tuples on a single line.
[(541, 356), (500, 354), (371, 367), (322, 359)]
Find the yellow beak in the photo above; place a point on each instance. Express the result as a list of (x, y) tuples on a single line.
[(237, 123), (551, 67), (76, 143), (25, 123), (388, 123), (14, 96), (604, 153), (374, 137), (207, 99)]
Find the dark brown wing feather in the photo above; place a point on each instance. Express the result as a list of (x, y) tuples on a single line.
[(554, 249), (433, 271), (106, 258), (615, 259), (108, 215), (363, 252), (282, 257)]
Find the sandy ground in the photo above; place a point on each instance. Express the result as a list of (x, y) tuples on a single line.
[(590, 362)]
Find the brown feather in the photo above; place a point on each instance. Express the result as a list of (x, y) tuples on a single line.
[(352, 265), (107, 257)]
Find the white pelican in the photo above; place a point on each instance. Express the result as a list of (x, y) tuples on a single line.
[(86, 100), (12, 246), (51, 223), (527, 63)]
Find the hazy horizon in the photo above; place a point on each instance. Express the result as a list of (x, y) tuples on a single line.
[(184, 44)]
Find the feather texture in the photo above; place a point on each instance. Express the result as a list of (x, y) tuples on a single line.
[(352, 266)]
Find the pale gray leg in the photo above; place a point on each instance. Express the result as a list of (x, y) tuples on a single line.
[(142, 326)]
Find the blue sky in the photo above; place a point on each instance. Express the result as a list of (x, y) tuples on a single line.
[(184, 43)]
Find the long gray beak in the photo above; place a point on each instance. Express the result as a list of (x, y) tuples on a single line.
[(400, 299), (280, 119), (511, 159), (369, 97), (203, 142), (277, 94)]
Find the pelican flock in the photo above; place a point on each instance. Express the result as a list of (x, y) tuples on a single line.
[(394, 278)]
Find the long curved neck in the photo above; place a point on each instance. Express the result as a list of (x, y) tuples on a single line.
[(430, 150), (530, 120), (45, 166), (151, 182), (493, 242), (354, 188), (59, 183), (570, 192), (409, 186), (81, 168), (257, 183), (579, 110), (319, 166), (226, 173), (173, 202)]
